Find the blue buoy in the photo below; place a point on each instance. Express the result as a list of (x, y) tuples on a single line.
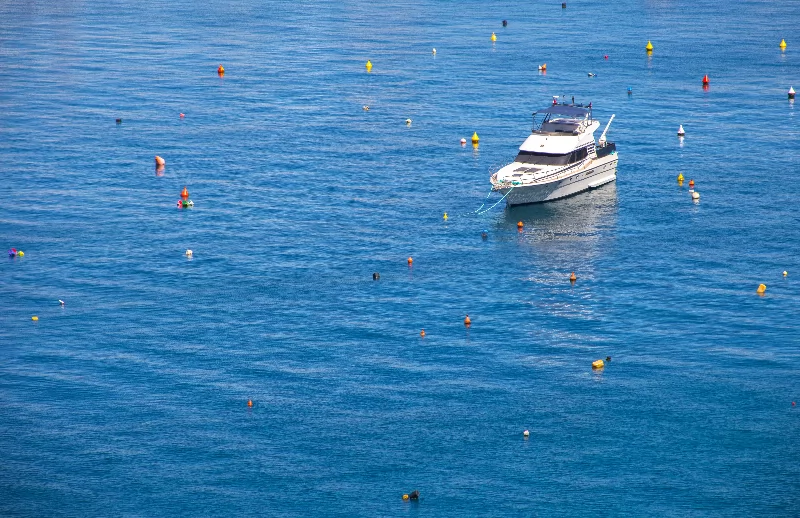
[(630, 90)]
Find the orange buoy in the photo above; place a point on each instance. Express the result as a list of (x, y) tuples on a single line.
[(184, 193), (467, 321), (250, 403), (691, 184), (160, 161), (520, 225), (221, 70), (422, 333), (410, 260), (572, 277), (705, 80)]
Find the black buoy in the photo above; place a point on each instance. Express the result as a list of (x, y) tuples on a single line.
[(119, 121), (505, 23), (563, 5), (376, 276), (608, 358), (414, 495), (484, 235)]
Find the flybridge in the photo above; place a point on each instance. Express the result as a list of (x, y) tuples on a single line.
[(562, 118)]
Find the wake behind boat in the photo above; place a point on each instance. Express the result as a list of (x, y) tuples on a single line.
[(559, 158)]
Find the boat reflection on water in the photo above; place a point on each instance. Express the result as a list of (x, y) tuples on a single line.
[(569, 234)]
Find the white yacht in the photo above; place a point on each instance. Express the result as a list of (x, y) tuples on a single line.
[(559, 158)]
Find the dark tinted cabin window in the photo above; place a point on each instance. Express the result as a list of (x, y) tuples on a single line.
[(532, 157)]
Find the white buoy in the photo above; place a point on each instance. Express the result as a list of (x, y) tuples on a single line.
[(681, 133), (695, 195), (408, 121), (188, 253), (526, 433), (785, 273), (62, 302), (463, 142), (434, 52), (791, 93), (592, 74)]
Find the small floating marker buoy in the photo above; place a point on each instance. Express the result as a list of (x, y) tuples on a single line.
[(12, 252), (445, 216), (61, 302), (250, 403), (681, 133), (705, 80), (762, 288), (598, 364), (434, 51), (563, 5), (376, 276), (794, 404), (365, 107), (182, 115), (520, 225), (188, 253), (695, 195), (410, 261), (484, 235), (221, 70), (591, 74), (405, 497), (691, 184), (494, 37), (785, 273), (526, 433), (369, 65), (649, 47), (467, 321), (463, 142), (505, 23), (783, 44), (422, 333), (791, 92), (119, 121), (543, 67), (572, 277), (680, 177), (20, 253), (630, 90), (408, 122), (35, 318), (608, 359), (184, 193), (475, 138), (160, 161), (605, 57)]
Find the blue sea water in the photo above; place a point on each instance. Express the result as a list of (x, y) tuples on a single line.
[(131, 400)]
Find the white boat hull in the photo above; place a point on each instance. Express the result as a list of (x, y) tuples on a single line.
[(601, 172)]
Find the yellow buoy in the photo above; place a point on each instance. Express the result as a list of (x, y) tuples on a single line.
[(598, 364), (20, 253), (445, 216), (761, 288), (494, 37), (369, 65), (783, 44), (680, 177), (405, 497), (649, 46), (34, 318), (475, 138)]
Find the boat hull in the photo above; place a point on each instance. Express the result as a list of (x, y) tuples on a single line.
[(603, 171)]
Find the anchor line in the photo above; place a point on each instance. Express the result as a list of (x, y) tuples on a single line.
[(496, 204)]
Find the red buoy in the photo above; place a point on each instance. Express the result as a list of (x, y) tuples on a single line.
[(705, 80), (184, 193)]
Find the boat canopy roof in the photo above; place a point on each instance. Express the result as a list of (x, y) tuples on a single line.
[(570, 110)]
